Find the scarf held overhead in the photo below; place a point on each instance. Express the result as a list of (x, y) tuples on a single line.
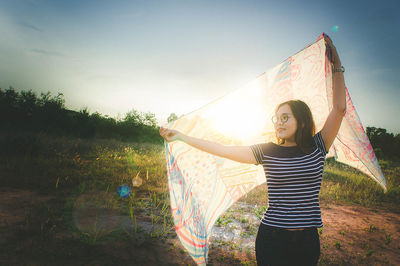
[(203, 186)]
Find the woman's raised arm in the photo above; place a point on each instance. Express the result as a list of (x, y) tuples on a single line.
[(242, 154), (335, 117)]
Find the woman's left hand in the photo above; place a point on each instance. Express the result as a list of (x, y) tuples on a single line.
[(335, 56), (329, 42)]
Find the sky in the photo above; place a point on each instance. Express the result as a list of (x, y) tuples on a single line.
[(169, 57)]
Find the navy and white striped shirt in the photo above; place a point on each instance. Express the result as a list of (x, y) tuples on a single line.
[(293, 181)]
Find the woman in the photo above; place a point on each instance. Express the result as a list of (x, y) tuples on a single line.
[(288, 232)]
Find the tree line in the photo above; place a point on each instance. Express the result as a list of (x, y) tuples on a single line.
[(386, 145), (27, 111)]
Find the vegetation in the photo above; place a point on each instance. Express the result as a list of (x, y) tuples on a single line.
[(67, 155), (67, 168), (26, 111), (386, 145)]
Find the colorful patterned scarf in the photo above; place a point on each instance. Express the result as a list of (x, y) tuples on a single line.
[(203, 186)]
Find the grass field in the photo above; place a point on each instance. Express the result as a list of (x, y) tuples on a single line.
[(66, 180)]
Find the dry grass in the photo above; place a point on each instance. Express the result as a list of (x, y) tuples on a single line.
[(65, 168)]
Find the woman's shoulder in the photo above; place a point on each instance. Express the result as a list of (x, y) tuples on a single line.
[(264, 145), (275, 150), (319, 142)]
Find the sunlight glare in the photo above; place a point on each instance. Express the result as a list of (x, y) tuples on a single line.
[(235, 117)]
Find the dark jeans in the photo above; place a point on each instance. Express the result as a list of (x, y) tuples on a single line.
[(276, 246)]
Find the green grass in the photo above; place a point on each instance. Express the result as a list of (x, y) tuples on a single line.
[(344, 184), (66, 168), (38, 161)]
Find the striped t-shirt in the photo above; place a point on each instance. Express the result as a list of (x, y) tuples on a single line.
[(293, 181)]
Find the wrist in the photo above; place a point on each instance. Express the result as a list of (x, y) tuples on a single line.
[(336, 63), (182, 137), (338, 70)]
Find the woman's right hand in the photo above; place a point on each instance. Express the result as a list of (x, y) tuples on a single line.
[(170, 134)]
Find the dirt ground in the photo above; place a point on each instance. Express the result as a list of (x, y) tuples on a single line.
[(352, 235)]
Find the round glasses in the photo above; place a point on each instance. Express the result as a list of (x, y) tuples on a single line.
[(284, 118)]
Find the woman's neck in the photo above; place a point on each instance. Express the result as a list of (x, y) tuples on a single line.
[(289, 143)]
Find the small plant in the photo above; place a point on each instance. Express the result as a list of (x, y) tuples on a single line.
[(388, 237), (223, 220), (338, 245), (234, 246), (342, 233), (250, 262), (220, 258), (369, 252), (260, 211), (371, 228)]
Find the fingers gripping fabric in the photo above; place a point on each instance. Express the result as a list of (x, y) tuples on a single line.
[(203, 186)]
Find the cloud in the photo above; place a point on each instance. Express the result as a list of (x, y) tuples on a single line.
[(29, 26), (45, 52)]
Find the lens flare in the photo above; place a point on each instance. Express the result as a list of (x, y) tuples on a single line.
[(96, 213), (124, 191), (137, 181), (335, 28)]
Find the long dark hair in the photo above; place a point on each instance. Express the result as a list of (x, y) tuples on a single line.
[(305, 125)]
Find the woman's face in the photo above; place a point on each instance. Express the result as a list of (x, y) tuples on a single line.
[(285, 130)]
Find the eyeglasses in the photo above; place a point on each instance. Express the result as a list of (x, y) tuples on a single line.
[(284, 118)]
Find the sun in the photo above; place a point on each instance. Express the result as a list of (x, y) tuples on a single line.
[(237, 115)]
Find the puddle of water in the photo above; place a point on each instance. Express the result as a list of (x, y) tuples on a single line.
[(236, 231), (127, 224), (95, 213), (94, 218)]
